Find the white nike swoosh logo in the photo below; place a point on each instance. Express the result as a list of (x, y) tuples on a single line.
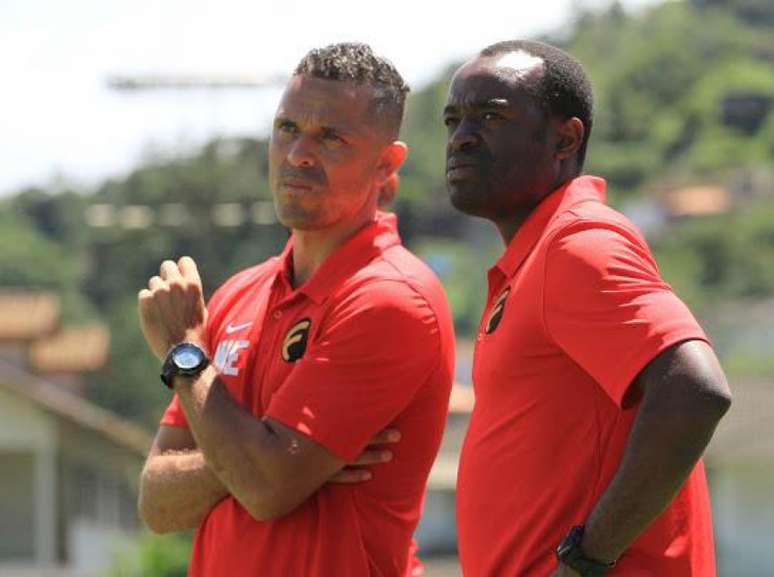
[(234, 328)]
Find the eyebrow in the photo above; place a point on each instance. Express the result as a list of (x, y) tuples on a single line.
[(343, 131), (497, 103)]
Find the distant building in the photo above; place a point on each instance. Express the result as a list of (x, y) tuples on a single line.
[(697, 200), (69, 468)]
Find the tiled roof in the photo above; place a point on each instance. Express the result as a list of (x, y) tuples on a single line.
[(27, 315), (73, 349), (698, 200), (64, 404)]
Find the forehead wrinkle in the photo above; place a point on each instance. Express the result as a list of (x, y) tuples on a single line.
[(311, 110)]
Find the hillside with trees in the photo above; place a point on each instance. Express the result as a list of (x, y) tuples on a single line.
[(684, 95)]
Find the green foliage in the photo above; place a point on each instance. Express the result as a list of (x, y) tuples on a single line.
[(727, 257), (129, 384), (660, 81), (30, 259), (661, 78), (462, 268), (154, 556)]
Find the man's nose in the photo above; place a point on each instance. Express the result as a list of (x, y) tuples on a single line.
[(301, 152), (464, 136)]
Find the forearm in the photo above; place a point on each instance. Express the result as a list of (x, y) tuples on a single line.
[(237, 446), (668, 437), (177, 490)]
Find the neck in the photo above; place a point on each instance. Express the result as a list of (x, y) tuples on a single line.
[(312, 247), (508, 227)]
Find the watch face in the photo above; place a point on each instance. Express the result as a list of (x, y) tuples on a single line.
[(188, 358)]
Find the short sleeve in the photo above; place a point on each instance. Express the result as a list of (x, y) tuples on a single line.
[(173, 415), (378, 346), (607, 307)]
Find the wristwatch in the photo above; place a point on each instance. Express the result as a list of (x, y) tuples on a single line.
[(184, 359), (569, 553)]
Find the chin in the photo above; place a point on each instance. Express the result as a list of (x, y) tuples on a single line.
[(297, 218), (467, 201)]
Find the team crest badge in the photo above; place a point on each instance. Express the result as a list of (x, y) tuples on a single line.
[(497, 312), (294, 345)]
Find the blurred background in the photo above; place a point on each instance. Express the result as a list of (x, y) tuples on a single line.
[(133, 133)]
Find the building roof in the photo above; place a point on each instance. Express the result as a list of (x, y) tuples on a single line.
[(698, 201), (66, 405), (73, 349), (27, 315)]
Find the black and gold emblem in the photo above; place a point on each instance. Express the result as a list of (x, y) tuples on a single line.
[(498, 308), (294, 345)]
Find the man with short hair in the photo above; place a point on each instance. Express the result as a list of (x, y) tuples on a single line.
[(596, 390), (284, 380)]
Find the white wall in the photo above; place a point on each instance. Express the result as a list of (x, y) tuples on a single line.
[(24, 427)]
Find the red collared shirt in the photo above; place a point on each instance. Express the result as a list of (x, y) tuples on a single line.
[(366, 343), (576, 309)]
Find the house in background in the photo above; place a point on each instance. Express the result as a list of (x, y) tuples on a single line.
[(68, 469)]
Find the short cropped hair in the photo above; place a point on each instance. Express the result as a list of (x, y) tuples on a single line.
[(357, 62), (564, 90)]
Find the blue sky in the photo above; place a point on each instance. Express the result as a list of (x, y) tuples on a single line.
[(60, 123)]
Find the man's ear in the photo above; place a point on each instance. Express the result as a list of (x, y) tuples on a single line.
[(570, 137), (388, 191), (391, 160)]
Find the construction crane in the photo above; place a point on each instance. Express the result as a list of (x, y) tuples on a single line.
[(132, 83)]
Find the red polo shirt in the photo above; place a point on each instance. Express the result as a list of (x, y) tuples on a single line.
[(576, 309), (366, 343)]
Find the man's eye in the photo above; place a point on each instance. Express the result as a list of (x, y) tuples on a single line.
[(332, 137), (492, 116), (450, 121), (286, 126)]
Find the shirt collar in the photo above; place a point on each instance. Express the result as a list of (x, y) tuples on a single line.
[(368, 243), (575, 191)]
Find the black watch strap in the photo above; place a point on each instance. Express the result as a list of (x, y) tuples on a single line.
[(183, 359), (570, 553)]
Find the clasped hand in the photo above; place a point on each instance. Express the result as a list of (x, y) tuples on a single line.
[(172, 308)]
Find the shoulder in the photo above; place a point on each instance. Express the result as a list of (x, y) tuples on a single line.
[(395, 292), (243, 280), (398, 280), (594, 236)]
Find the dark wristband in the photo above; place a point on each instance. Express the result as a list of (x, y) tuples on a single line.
[(569, 553)]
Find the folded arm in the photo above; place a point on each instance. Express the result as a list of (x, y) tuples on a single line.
[(268, 467), (177, 487)]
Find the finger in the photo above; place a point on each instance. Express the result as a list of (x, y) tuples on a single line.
[(155, 283), (189, 269), (373, 457), (144, 301), (385, 436), (169, 271), (347, 475)]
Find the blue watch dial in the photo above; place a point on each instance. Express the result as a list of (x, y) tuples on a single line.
[(188, 358)]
